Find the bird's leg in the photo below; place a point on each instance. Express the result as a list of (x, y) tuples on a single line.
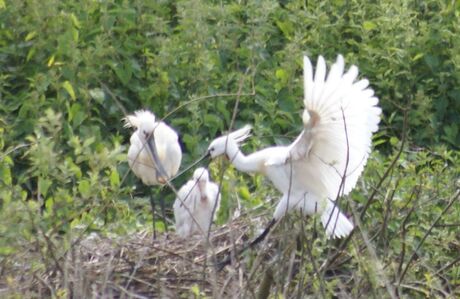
[(152, 205), (256, 241), (163, 213), (262, 236)]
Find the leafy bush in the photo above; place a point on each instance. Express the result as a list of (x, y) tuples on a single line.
[(69, 71)]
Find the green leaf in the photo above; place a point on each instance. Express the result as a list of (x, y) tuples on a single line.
[(75, 21), (417, 57), (5, 170), (97, 94), (281, 75), (286, 27), (6, 250), (76, 115), (89, 141), (244, 192), (114, 178), (195, 290), (369, 25), (31, 53), (43, 185), (51, 60), (394, 141), (68, 87), (30, 35), (84, 187), (123, 72)]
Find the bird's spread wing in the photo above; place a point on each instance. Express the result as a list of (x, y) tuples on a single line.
[(340, 115)]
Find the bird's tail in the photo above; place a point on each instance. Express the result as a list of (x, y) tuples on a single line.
[(336, 224)]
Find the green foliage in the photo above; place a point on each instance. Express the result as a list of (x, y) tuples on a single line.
[(69, 71)]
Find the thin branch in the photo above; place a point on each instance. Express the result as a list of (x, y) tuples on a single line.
[(390, 168), (414, 253), (448, 266), (344, 176), (19, 146), (415, 194)]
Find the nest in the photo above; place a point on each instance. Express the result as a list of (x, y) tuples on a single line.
[(292, 260), (167, 266), (138, 266)]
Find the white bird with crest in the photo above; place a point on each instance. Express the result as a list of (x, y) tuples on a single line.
[(329, 155), (196, 204), (154, 154)]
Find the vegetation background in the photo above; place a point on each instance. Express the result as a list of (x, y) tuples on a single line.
[(70, 70)]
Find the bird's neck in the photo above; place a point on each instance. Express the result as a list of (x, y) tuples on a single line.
[(240, 161)]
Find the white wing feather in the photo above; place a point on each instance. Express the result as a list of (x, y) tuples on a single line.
[(339, 119), (187, 196)]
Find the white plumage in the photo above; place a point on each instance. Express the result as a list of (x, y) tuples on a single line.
[(196, 199), (154, 154), (329, 155)]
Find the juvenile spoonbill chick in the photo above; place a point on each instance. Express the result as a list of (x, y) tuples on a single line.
[(195, 203), (154, 154), (327, 158)]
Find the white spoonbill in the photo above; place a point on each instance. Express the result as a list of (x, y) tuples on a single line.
[(193, 208), (328, 156), (154, 154)]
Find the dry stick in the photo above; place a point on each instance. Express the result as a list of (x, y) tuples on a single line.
[(374, 193), (152, 205), (289, 272), (415, 192), (49, 243), (448, 266), (375, 260), (218, 95), (414, 253), (221, 178), (232, 122), (344, 176), (264, 288), (392, 165), (383, 228), (257, 261), (339, 192), (448, 225), (301, 280), (268, 228), (46, 284), (135, 268), (318, 273), (15, 149)]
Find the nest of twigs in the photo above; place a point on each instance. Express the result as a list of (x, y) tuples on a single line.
[(139, 266), (167, 266)]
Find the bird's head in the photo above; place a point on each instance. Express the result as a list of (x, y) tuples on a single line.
[(228, 143), (143, 121), (201, 175)]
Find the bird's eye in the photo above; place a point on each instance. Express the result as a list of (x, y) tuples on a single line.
[(211, 149)]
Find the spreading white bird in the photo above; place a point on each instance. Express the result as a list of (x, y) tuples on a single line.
[(154, 154), (327, 158), (194, 205)]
